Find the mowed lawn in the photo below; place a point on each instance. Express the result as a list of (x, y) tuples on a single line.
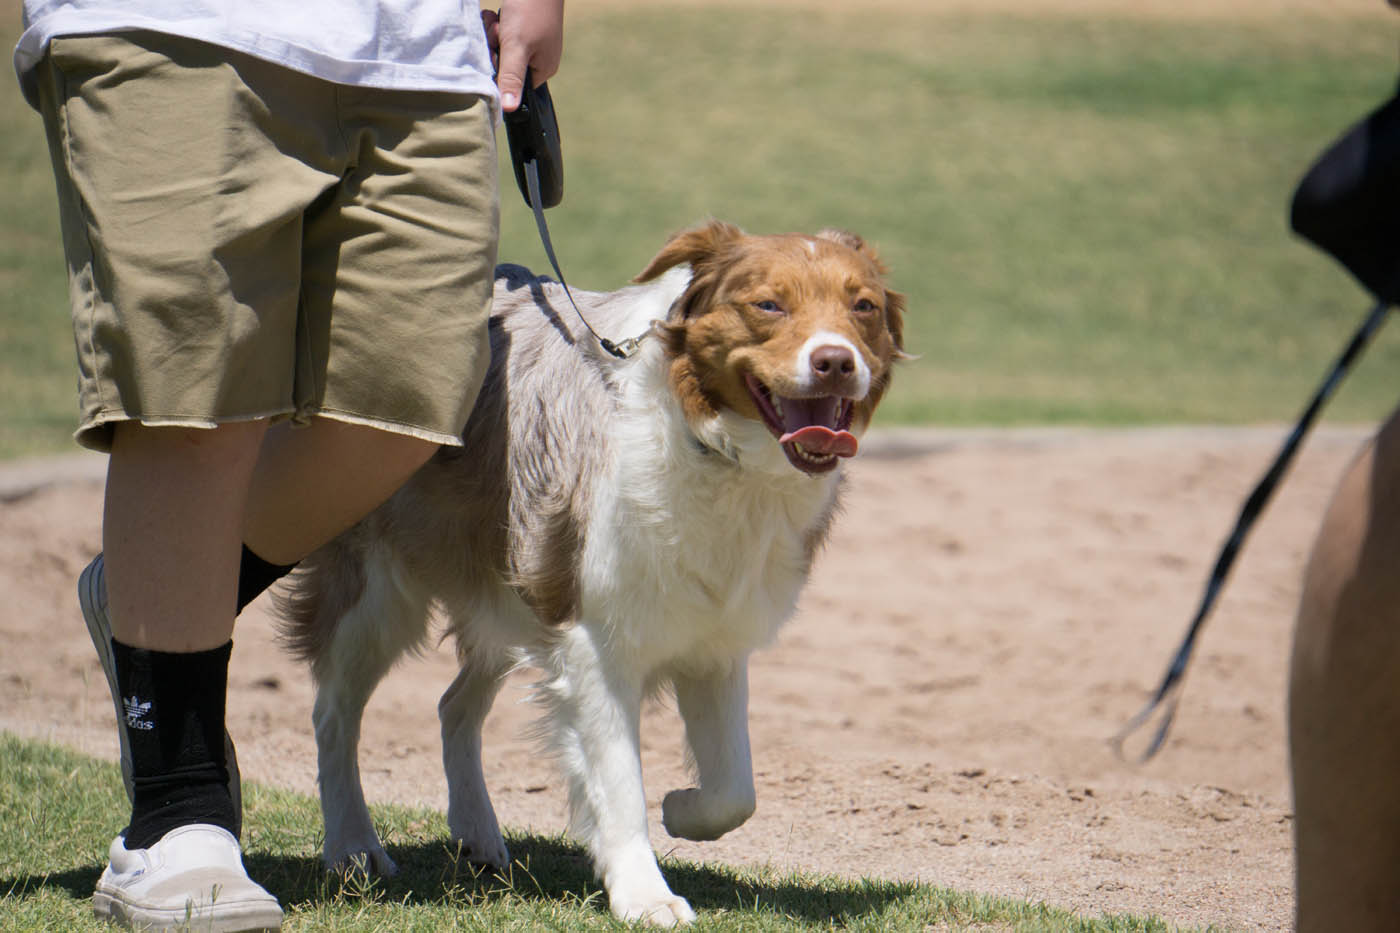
[(1087, 214)]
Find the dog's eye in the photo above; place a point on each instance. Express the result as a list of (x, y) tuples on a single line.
[(864, 306), (771, 307)]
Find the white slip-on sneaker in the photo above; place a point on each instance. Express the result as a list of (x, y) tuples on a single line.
[(192, 879), (92, 599)]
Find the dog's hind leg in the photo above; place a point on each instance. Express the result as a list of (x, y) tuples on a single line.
[(470, 816), (386, 621), (595, 710), (715, 710)]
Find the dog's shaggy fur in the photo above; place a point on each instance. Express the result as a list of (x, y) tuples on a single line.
[(623, 526)]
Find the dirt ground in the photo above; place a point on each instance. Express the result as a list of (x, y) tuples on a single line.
[(992, 607)]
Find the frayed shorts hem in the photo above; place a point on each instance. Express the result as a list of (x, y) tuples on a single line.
[(96, 433)]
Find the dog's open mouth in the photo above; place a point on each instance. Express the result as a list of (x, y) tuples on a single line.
[(812, 431)]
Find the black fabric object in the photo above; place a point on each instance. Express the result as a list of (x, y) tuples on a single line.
[(255, 575), (1348, 203), (174, 720)]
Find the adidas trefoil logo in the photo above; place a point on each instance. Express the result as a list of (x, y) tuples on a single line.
[(137, 713)]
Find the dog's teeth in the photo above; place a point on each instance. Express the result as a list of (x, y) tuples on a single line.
[(778, 405), (810, 457)]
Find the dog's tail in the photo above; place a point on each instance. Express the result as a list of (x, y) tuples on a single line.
[(318, 594)]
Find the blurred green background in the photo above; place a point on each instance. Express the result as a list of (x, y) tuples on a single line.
[(1088, 214)]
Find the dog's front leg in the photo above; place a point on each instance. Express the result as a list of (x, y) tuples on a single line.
[(715, 710), (595, 704)]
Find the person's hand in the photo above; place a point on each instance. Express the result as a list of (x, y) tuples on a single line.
[(525, 33)]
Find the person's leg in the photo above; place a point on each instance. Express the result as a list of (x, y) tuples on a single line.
[(1344, 704), (162, 268), (309, 485), (177, 503), (172, 526), (295, 504), (313, 482), (369, 325)]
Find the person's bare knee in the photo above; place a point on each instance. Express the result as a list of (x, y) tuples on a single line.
[(1344, 703), (314, 482)]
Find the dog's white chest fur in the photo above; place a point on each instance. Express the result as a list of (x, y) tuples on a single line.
[(695, 556), (695, 548)]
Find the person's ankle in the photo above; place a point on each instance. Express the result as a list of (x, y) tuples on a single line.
[(173, 707), (178, 802)]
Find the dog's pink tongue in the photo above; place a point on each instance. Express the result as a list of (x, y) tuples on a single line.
[(823, 440)]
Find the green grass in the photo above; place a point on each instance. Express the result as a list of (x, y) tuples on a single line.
[(38, 398), (1088, 215), (58, 811)]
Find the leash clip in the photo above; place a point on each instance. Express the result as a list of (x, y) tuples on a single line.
[(622, 350)]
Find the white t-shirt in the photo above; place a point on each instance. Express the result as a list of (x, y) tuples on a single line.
[(421, 45)]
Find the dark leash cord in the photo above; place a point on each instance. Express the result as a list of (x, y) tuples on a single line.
[(1168, 693), (533, 133), (532, 180)]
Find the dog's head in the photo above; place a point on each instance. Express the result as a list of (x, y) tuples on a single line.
[(796, 333)]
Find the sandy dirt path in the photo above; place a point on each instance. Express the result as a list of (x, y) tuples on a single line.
[(992, 607)]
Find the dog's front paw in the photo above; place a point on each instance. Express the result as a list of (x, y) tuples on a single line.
[(691, 814), (636, 890), (662, 909), (366, 861)]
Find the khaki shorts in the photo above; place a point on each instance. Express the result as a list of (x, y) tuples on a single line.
[(245, 241)]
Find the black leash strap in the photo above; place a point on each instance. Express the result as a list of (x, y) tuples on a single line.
[(532, 181), (1168, 694)]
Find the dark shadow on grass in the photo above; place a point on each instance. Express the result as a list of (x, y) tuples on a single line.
[(76, 882), (542, 869), (547, 868)]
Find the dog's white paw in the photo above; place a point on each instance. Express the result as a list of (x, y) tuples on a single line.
[(636, 890), (689, 814), (368, 861), (665, 910)]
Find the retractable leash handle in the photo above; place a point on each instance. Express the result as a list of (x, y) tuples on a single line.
[(1347, 205), (533, 134)]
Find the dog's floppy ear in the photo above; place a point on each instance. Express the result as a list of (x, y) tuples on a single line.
[(705, 249), (894, 320), (692, 246)]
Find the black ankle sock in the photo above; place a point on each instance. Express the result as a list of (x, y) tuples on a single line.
[(255, 575), (174, 722)]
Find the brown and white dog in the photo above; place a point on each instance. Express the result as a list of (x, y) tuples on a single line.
[(622, 526)]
